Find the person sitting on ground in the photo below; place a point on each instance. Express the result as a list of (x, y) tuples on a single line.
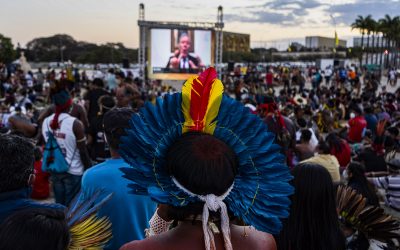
[(389, 181), (326, 160), (129, 214), (313, 222), (340, 149), (302, 124), (17, 176), (304, 149), (357, 125), (355, 175)]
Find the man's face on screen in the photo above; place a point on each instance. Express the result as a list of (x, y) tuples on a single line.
[(184, 45)]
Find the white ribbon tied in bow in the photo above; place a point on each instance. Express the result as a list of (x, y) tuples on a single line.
[(213, 203)]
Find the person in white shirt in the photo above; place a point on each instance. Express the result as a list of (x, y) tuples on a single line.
[(70, 136)]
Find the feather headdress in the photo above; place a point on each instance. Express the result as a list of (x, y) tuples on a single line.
[(86, 229), (261, 188), (369, 220)]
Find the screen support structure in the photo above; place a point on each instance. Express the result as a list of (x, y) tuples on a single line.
[(145, 26), (142, 43), (219, 25)]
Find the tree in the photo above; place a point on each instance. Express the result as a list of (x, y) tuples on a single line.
[(361, 25), (395, 35), (63, 48), (387, 28), (369, 27), (7, 52), (387, 33), (378, 29)]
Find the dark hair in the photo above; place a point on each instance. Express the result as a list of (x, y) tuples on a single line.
[(202, 164), (16, 162), (324, 147), (302, 122), (106, 103), (356, 108), (35, 229), (359, 182), (98, 82), (115, 122), (393, 131), (59, 92), (334, 142), (306, 135), (313, 222), (38, 154), (368, 109)]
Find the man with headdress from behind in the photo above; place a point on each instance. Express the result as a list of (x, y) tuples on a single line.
[(70, 135)]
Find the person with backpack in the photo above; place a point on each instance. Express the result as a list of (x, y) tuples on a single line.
[(65, 153)]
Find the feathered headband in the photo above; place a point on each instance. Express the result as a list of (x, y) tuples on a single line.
[(259, 195), (87, 229)]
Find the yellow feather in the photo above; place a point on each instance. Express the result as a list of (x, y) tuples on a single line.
[(186, 96), (214, 103), (92, 233)]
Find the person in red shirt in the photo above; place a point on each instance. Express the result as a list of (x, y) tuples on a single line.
[(357, 126), (269, 78), (340, 149), (40, 189)]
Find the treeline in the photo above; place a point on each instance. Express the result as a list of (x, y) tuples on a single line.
[(383, 37), (59, 48)]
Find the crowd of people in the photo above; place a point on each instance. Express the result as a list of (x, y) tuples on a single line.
[(336, 126)]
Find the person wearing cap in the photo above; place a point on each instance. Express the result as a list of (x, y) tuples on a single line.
[(129, 214)]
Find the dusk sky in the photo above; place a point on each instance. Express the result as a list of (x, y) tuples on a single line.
[(102, 21)]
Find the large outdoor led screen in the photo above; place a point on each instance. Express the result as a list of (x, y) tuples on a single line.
[(175, 54)]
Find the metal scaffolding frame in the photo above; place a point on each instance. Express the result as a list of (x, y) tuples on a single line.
[(142, 43), (145, 26)]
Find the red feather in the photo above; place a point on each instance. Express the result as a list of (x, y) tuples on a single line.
[(200, 96)]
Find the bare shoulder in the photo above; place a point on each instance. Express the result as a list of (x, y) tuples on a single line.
[(137, 244), (250, 238), (264, 240), (151, 243)]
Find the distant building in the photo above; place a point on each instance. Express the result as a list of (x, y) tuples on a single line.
[(297, 45), (381, 42), (236, 42), (319, 42)]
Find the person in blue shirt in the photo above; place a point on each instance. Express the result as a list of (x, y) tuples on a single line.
[(128, 213), (371, 118), (17, 176)]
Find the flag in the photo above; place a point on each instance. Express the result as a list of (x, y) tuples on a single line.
[(336, 39)]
